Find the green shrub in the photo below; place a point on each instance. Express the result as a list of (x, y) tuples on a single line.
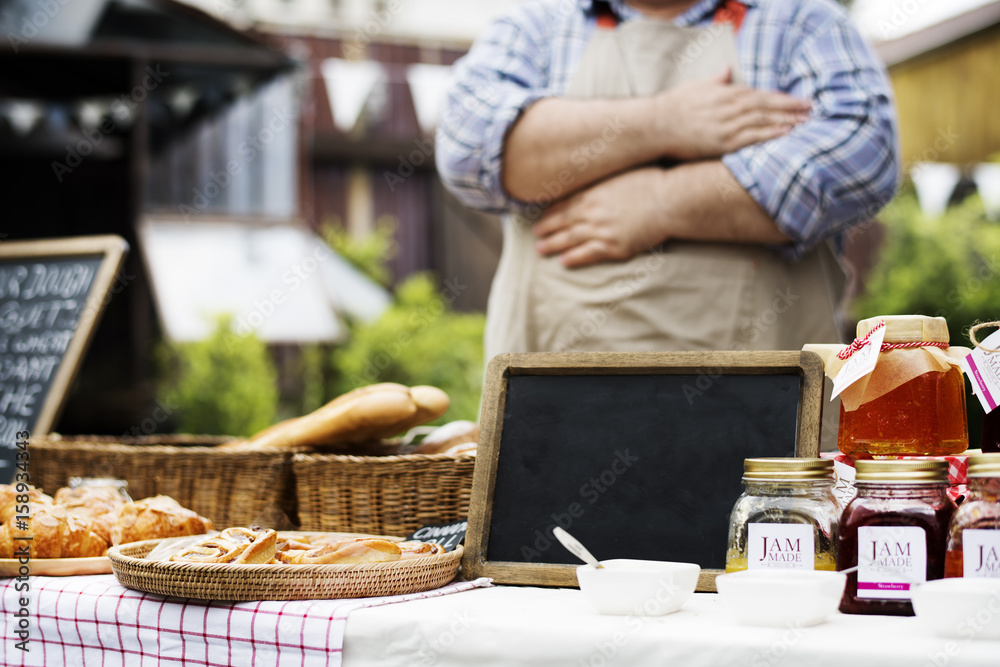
[(946, 266), (225, 384), (418, 340)]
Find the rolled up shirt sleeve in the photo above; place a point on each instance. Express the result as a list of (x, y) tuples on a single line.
[(503, 74), (840, 167)]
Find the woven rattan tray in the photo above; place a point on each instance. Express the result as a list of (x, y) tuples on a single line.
[(278, 582)]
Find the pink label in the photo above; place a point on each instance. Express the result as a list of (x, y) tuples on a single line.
[(882, 586)]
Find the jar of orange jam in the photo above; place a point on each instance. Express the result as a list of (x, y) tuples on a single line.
[(974, 531), (923, 416)]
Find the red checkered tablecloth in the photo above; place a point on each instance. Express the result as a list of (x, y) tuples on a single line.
[(93, 621)]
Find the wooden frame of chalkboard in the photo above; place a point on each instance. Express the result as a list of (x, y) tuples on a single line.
[(533, 402), (110, 250)]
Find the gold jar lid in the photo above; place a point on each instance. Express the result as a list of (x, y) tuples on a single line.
[(908, 328), (789, 469), (984, 465), (902, 472)]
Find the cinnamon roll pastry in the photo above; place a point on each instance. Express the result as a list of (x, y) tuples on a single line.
[(416, 549), (233, 545), (156, 517), (357, 550)]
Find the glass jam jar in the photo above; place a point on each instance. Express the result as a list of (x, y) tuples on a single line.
[(974, 531), (894, 530), (923, 416), (786, 517)]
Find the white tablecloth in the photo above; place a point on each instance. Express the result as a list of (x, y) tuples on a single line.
[(552, 627), (93, 621)]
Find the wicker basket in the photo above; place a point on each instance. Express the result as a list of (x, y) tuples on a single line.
[(279, 582), (384, 495), (231, 488)]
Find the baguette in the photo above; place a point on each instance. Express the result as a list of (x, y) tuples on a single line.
[(364, 416), (431, 404)]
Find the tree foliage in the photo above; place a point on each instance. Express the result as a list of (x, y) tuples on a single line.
[(225, 384), (945, 266)]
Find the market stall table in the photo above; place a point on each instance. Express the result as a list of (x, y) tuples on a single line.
[(502, 625)]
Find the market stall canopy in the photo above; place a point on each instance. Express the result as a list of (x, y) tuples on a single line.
[(68, 65), (278, 281)]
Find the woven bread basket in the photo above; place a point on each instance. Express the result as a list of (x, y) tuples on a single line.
[(383, 495), (223, 581), (232, 488)]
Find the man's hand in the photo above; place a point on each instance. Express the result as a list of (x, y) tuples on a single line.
[(613, 220), (637, 210), (707, 119)]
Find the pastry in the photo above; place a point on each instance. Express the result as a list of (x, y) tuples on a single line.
[(445, 437), (363, 415), (233, 545), (353, 551), (98, 505), (11, 502), (156, 517), (465, 448), (54, 533), (414, 549)]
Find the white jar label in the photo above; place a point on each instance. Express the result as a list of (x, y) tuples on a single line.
[(981, 553), (891, 559), (786, 546)]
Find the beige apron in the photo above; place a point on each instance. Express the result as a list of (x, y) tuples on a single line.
[(683, 295)]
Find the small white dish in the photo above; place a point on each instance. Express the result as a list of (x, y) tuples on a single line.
[(967, 608), (627, 587), (781, 598)]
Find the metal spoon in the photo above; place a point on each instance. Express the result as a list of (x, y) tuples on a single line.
[(575, 548)]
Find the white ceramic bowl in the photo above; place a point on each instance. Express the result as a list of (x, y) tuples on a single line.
[(781, 598), (965, 608), (638, 587)]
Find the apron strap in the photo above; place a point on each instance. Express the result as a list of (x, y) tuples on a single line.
[(729, 11)]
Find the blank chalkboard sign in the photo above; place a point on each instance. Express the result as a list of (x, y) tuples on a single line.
[(638, 455), (52, 294)]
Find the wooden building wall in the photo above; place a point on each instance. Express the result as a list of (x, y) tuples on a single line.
[(949, 101)]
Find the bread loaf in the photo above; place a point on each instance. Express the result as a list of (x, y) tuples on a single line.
[(431, 403), (447, 436)]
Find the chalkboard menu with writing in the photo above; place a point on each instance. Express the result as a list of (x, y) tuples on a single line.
[(51, 295), (638, 455)]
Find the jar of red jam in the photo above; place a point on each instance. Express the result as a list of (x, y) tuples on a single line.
[(894, 530), (923, 416), (974, 531)]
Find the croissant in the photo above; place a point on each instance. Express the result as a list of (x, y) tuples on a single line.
[(416, 549), (54, 533), (233, 545), (98, 505), (156, 517), (9, 501), (358, 550)]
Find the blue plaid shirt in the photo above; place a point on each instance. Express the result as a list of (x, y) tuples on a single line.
[(835, 170)]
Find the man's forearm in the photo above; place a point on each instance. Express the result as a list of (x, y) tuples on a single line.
[(573, 143), (701, 201)]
